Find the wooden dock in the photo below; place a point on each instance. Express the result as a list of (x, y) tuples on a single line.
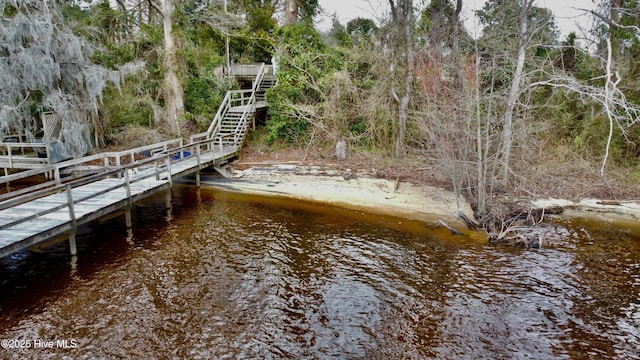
[(83, 190)]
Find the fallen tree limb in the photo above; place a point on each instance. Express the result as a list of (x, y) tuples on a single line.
[(453, 231)]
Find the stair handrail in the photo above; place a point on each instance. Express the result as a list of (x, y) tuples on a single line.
[(250, 105), (241, 127), (222, 110), (259, 77)]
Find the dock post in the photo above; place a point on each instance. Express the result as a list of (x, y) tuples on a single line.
[(118, 165), (167, 163), (74, 226), (74, 264), (167, 199), (127, 217), (198, 172), (127, 208), (130, 236), (72, 242)]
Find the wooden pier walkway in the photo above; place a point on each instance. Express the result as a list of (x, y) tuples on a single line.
[(83, 190)]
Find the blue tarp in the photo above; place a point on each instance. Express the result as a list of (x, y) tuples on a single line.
[(174, 157)]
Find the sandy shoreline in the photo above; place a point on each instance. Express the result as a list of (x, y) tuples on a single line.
[(622, 214), (350, 190), (361, 191)]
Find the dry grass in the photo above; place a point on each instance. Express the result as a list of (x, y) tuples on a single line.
[(562, 173), (135, 136)]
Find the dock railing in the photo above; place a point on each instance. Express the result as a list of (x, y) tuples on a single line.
[(35, 192), (13, 155), (100, 163), (156, 167)]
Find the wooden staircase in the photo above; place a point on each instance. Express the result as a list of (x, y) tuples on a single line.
[(237, 111), (268, 81)]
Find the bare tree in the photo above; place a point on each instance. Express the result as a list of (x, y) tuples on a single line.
[(516, 87), (436, 33), (619, 111), (402, 21), (455, 51)]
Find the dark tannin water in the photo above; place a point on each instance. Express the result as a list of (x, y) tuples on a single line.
[(230, 276)]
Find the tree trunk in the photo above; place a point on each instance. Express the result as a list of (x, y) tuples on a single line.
[(507, 130), (436, 32), (614, 10), (174, 98), (291, 12), (481, 168), (123, 8), (402, 123), (402, 16), (456, 26), (456, 46), (613, 52), (153, 10)]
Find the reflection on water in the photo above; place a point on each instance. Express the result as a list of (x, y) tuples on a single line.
[(228, 276)]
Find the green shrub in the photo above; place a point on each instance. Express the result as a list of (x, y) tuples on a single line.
[(304, 61)]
